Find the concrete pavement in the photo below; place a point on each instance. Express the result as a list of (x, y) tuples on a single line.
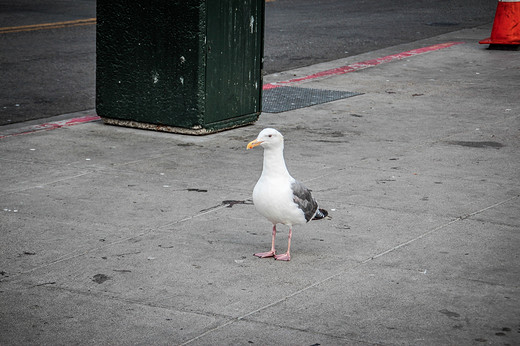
[(120, 236)]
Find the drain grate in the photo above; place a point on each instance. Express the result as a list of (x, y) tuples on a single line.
[(283, 99)]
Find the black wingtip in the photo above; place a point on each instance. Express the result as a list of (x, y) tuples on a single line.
[(320, 214)]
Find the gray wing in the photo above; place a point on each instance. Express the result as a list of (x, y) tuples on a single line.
[(303, 198)]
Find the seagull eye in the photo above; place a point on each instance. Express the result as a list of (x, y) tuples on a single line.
[(270, 136)]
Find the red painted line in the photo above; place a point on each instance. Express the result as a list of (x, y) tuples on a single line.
[(362, 65), (332, 72), (271, 86), (53, 125)]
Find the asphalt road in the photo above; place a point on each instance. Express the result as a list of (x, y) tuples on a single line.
[(51, 71)]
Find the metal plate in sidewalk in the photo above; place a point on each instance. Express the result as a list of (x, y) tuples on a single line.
[(282, 99)]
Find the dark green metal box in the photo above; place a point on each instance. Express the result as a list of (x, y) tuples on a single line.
[(191, 66)]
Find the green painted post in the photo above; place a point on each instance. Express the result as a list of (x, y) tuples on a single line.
[(179, 66)]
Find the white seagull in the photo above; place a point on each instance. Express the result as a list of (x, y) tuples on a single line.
[(278, 196)]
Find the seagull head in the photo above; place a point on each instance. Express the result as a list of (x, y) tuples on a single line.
[(267, 138)]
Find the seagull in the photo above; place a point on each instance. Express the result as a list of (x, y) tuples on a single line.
[(277, 195)]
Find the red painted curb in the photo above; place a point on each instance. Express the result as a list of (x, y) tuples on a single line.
[(364, 64), (53, 125), (332, 72)]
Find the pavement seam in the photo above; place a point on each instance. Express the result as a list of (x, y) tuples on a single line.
[(460, 218), (295, 293), (71, 256), (46, 183), (107, 295), (313, 332), (368, 260)]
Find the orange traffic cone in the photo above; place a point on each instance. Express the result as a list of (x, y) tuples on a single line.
[(506, 27)]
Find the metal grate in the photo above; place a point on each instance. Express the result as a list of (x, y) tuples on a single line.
[(283, 99)]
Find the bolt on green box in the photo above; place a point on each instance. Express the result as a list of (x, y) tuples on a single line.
[(191, 67)]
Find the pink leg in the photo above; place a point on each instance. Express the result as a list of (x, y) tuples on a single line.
[(271, 253), (286, 256)]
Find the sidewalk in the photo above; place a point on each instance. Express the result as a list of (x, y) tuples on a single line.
[(113, 235)]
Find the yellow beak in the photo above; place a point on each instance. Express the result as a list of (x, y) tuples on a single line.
[(253, 144)]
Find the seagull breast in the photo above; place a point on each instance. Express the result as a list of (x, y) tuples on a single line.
[(274, 199)]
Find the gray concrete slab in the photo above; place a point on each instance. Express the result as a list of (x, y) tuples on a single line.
[(442, 291), (114, 235), (48, 316)]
